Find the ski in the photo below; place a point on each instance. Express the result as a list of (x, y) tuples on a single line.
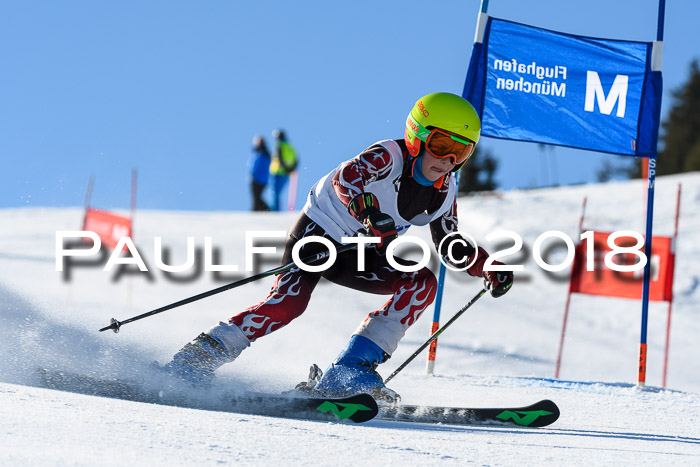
[(539, 414), (357, 408)]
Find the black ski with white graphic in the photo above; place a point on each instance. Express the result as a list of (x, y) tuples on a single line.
[(539, 414), (357, 408)]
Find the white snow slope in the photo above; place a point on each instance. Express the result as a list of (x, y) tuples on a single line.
[(501, 352)]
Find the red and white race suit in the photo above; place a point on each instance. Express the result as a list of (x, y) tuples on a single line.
[(384, 170)]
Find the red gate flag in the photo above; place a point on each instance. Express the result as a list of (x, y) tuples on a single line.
[(108, 226), (605, 281)]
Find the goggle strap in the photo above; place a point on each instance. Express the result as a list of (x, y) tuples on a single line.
[(417, 129), (463, 141)]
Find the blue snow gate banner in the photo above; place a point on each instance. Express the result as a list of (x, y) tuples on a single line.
[(532, 84)]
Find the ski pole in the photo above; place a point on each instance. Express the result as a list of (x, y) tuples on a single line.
[(436, 334), (115, 325)]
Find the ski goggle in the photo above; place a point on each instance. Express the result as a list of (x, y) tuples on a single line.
[(441, 144)]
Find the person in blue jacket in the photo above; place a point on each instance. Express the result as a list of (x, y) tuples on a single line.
[(259, 172)]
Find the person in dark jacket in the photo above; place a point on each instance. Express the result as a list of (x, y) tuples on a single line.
[(259, 167)]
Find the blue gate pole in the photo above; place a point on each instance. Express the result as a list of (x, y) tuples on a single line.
[(432, 350), (642, 369)]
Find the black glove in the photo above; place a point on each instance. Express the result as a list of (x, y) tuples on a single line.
[(498, 282), (365, 208)]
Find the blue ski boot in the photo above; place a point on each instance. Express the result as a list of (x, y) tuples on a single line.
[(354, 371), (197, 361)]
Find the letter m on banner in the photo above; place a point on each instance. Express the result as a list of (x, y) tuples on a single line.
[(532, 84), (618, 94)]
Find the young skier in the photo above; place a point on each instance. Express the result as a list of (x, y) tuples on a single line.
[(383, 191)]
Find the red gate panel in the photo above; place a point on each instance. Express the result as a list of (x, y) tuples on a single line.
[(108, 226), (605, 281)]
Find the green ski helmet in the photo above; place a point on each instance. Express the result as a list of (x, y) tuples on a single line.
[(442, 111)]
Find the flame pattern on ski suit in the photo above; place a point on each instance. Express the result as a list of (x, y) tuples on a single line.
[(254, 321), (411, 293)]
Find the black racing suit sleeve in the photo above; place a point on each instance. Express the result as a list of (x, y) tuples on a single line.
[(451, 245)]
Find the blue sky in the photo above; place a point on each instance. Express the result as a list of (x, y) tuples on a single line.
[(177, 89)]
